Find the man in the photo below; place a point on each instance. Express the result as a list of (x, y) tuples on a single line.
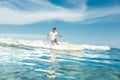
[(52, 36)]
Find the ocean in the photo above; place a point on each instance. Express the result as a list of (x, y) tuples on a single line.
[(26, 60)]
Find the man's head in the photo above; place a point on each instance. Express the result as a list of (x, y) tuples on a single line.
[(54, 29)]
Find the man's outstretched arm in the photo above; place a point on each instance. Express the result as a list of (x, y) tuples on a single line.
[(48, 36), (59, 35)]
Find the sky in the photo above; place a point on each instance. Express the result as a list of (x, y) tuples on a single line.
[(94, 22)]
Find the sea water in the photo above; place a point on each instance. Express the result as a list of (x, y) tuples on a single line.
[(22, 62)]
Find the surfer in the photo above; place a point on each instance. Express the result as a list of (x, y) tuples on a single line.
[(52, 36)]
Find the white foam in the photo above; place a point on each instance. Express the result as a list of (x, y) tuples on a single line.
[(92, 47)]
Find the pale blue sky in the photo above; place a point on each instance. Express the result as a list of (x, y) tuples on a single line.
[(95, 22)]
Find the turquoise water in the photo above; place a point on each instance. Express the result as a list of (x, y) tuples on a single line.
[(30, 63)]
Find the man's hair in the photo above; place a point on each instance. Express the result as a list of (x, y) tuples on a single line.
[(54, 28)]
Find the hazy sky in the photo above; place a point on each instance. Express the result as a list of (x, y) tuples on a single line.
[(94, 22)]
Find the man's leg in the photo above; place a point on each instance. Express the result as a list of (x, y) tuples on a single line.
[(56, 41), (52, 42)]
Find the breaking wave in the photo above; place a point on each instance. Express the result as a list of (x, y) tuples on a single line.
[(27, 44)]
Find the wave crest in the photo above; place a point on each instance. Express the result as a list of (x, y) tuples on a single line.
[(40, 43)]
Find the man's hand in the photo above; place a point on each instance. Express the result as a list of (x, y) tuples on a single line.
[(48, 36), (59, 35)]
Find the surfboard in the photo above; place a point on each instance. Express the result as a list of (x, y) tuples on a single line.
[(72, 47), (75, 47), (65, 47)]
